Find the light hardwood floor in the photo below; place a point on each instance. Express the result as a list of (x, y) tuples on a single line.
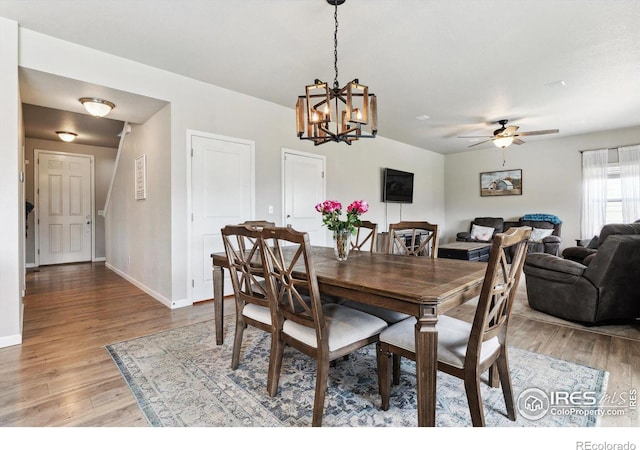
[(61, 374)]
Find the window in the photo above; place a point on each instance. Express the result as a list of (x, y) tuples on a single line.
[(614, 194)]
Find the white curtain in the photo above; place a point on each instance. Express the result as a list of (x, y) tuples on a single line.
[(594, 191), (629, 158)]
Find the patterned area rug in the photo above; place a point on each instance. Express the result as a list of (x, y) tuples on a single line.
[(181, 378)]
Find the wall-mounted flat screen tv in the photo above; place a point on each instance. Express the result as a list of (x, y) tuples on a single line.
[(397, 186)]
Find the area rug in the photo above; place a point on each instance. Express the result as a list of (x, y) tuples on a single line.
[(180, 378)]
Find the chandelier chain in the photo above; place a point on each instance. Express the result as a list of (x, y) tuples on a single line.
[(335, 47)]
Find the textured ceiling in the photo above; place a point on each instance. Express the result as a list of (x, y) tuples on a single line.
[(463, 63)]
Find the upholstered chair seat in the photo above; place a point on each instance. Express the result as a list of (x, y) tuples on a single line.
[(345, 326), (453, 339)]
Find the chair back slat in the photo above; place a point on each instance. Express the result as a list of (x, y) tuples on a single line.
[(242, 247), (413, 239), (257, 224), (499, 289), (291, 278), (366, 233)]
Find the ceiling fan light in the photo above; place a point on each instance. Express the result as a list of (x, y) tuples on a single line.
[(66, 136), (503, 142), (96, 106)]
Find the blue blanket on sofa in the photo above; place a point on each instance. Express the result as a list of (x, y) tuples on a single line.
[(543, 217)]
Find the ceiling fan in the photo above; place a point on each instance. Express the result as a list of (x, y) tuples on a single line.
[(507, 135)]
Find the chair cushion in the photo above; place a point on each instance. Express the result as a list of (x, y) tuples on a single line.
[(453, 337), (344, 326), (385, 314), (255, 312)]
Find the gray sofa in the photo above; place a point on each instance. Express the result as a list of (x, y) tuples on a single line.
[(497, 223), (584, 254), (607, 290), (549, 244)]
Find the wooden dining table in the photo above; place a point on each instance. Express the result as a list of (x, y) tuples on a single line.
[(419, 286)]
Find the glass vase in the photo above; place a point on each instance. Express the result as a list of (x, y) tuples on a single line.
[(341, 244)]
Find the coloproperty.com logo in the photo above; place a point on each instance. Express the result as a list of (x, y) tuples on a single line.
[(534, 403)]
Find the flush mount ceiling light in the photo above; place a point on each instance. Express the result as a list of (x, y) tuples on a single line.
[(96, 106), (66, 136), (336, 114)]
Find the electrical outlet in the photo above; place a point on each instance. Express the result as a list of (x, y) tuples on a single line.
[(270, 209)]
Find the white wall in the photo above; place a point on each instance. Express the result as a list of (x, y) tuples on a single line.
[(203, 107), (139, 231), (551, 178), (104, 159), (355, 173), (11, 197)]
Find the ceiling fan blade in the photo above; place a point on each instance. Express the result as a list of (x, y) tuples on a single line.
[(474, 137), (510, 130), (534, 133), (517, 141), (478, 143)]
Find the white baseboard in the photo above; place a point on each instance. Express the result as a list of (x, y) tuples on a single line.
[(8, 341), (161, 298), (31, 265), (99, 259)]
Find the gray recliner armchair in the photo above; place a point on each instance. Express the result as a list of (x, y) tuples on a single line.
[(584, 254), (607, 290)]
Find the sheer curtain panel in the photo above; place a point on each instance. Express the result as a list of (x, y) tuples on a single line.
[(629, 158), (594, 191)]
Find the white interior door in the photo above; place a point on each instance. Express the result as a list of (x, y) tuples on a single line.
[(303, 188), (64, 207), (222, 192)]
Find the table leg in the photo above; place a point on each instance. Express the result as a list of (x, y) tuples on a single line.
[(427, 365), (218, 302)]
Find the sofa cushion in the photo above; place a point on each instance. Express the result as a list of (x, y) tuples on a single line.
[(538, 234), (493, 222), (480, 233)]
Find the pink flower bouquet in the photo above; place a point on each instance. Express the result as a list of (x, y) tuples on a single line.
[(331, 211)]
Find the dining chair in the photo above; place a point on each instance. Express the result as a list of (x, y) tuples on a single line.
[(366, 237), (323, 331), (259, 224), (466, 350), (413, 239), (242, 246)]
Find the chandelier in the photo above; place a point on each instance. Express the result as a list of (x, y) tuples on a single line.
[(336, 114)]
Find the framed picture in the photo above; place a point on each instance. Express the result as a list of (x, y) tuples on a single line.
[(141, 177), (500, 183)]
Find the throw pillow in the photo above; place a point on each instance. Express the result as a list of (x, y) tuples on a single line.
[(593, 243), (538, 234), (480, 233)]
